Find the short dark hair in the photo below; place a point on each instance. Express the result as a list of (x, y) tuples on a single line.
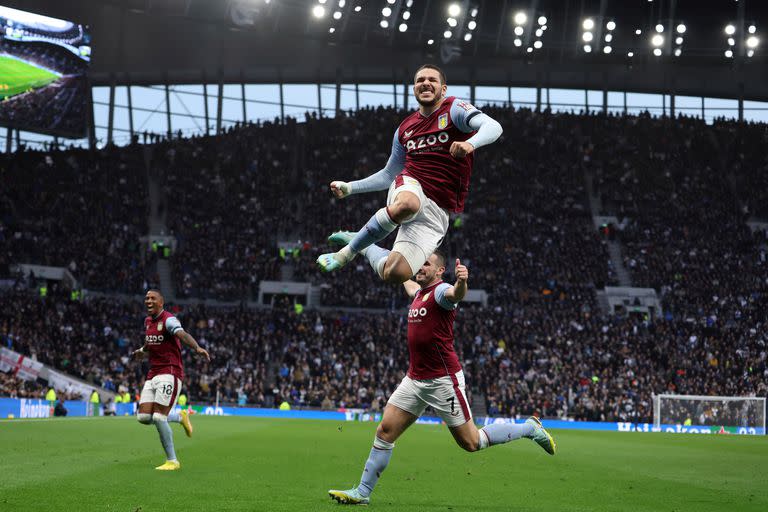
[(157, 291), (441, 257), (432, 66)]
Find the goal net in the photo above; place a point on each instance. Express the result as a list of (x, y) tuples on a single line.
[(736, 414)]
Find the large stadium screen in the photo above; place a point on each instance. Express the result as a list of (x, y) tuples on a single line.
[(43, 73)]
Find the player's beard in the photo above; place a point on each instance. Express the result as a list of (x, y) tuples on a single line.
[(437, 96)]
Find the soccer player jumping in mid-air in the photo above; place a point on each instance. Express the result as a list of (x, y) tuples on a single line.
[(162, 335), (428, 176), (434, 379)]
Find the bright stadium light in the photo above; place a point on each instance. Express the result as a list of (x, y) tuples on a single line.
[(542, 20), (451, 22), (729, 53), (657, 52), (358, 8), (384, 24), (519, 31), (318, 11), (678, 51), (752, 42), (610, 25), (608, 38), (537, 44), (342, 3), (630, 54), (752, 29), (587, 48), (587, 37), (607, 50), (588, 24), (659, 28), (447, 34), (390, 2), (332, 30), (407, 15), (403, 27), (467, 36), (638, 32), (657, 40), (529, 49), (337, 15), (520, 18), (681, 29), (679, 40), (473, 12), (454, 10), (731, 41), (750, 53), (730, 30), (472, 25), (431, 41), (518, 42), (386, 12), (539, 32)]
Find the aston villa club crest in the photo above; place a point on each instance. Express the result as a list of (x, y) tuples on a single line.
[(160, 326), (442, 121)]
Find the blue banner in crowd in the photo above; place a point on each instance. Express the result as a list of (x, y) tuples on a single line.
[(36, 408)]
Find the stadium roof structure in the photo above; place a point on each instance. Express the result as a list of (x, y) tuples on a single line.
[(688, 47)]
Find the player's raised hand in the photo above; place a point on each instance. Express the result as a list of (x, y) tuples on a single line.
[(138, 354), (340, 189), (461, 149), (462, 273), (202, 352)]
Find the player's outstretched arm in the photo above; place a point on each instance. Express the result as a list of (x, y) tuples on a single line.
[(469, 119), (377, 181), (411, 288), (189, 341), (457, 292), (140, 353)]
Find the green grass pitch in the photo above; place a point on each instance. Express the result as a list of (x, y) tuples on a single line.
[(17, 76), (250, 464)]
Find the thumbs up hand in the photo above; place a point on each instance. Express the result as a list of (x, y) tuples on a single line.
[(462, 274)]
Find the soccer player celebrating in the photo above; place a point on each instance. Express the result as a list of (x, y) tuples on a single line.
[(163, 334), (427, 174), (434, 379)]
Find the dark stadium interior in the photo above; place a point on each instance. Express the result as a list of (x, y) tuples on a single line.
[(690, 198)]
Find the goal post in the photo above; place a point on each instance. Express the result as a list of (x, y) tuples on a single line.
[(738, 414)]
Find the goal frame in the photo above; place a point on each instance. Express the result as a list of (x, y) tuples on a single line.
[(708, 398)]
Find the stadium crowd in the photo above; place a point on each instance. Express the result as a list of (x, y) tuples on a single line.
[(527, 236), (82, 210), (543, 356)]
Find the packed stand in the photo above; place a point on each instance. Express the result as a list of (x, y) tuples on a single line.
[(537, 358), (78, 209), (228, 200), (684, 233)]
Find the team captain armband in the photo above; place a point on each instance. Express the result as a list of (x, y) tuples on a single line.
[(441, 299)]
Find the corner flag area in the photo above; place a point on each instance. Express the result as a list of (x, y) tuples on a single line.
[(18, 76), (234, 464)]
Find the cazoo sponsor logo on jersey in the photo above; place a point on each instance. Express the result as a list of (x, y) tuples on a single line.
[(417, 312), (426, 141), (153, 339)]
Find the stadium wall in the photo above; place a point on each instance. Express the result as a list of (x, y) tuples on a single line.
[(11, 408)]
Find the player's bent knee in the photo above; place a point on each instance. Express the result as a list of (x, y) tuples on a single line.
[(394, 274), (404, 208), (470, 446), (157, 417), (144, 418)]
